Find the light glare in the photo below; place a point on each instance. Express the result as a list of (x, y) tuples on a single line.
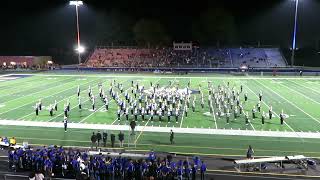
[(80, 49), (76, 3)]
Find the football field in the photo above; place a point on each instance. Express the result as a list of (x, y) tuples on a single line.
[(201, 132)]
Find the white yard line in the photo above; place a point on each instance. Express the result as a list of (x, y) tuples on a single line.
[(116, 119), (309, 135), (57, 103), (289, 102), (91, 114), (71, 108), (24, 87), (148, 119), (300, 93), (272, 111), (183, 112), (38, 91), (317, 91), (99, 108), (141, 131), (36, 100)]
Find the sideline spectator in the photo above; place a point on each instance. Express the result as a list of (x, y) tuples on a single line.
[(250, 152), (203, 170), (99, 138), (104, 138), (113, 139), (93, 141), (121, 138)]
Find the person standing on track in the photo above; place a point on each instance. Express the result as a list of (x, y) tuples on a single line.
[(99, 137), (113, 139), (250, 152), (93, 141), (133, 126), (121, 138), (104, 138), (171, 136)]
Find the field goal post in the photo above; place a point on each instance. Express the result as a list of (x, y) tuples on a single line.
[(131, 139)]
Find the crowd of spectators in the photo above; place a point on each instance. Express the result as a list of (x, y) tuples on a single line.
[(168, 57), (6, 142), (250, 57), (157, 57), (69, 163)]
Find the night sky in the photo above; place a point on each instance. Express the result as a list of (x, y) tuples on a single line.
[(48, 27)]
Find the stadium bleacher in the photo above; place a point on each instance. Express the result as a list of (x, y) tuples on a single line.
[(198, 57)]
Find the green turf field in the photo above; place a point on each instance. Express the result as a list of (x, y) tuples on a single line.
[(297, 97)]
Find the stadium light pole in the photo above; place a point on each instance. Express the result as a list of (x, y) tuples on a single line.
[(294, 32), (79, 49)]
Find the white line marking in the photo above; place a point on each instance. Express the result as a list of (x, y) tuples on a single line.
[(39, 91), (269, 108), (309, 135), (71, 108), (142, 130), (37, 100), (57, 102), (317, 91), (290, 102), (300, 94)]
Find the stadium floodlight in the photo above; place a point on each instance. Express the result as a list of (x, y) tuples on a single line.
[(79, 49), (293, 49), (76, 3)]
